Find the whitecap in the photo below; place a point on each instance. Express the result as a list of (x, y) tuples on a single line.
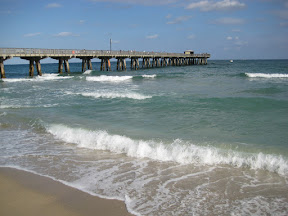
[(112, 95), (88, 72), (149, 76), (44, 77), (178, 151), (263, 75), (104, 78), (3, 114)]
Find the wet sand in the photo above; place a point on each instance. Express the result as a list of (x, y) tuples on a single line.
[(26, 194)]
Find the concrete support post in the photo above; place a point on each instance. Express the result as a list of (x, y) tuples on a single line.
[(108, 64), (124, 64), (38, 67), (105, 64), (137, 62), (102, 67), (83, 65), (2, 68), (89, 64), (31, 68), (60, 67), (67, 67)]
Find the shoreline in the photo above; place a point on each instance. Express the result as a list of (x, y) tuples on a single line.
[(27, 194)]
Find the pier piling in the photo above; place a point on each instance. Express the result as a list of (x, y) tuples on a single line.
[(2, 67), (158, 59)]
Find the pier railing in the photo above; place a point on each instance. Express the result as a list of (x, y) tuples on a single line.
[(22, 52)]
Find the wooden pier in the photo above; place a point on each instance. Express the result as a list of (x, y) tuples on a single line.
[(149, 59)]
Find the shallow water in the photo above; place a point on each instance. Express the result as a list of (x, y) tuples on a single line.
[(194, 140)]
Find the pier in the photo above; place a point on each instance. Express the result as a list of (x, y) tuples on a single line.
[(149, 59)]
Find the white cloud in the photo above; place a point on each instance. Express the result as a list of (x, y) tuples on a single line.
[(53, 5), (191, 37), (32, 34), (168, 16), (229, 21), (211, 5), (82, 21), (179, 20), (152, 36), (229, 38), (241, 43), (65, 34)]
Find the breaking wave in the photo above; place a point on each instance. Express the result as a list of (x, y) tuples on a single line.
[(112, 95), (149, 76), (104, 78), (178, 151), (44, 77), (88, 72), (263, 75)]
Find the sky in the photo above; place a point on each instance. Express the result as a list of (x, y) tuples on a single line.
[(227, 29)]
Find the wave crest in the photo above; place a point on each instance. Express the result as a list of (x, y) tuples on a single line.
[(88, 72), (104, 78), (44, 77), (263, 75), (178, 151), (112, 95)]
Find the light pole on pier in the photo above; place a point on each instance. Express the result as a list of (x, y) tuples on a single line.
[(110, 45)]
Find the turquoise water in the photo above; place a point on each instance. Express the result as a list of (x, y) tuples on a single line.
[(193, 140)]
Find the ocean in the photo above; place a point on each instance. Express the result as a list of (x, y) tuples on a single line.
[(186, 140)]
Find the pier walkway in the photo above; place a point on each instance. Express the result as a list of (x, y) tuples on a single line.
[(149, 59)]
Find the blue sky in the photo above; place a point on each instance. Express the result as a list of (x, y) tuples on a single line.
[(228, 29)]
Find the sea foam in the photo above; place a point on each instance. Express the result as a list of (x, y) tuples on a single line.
[(177, 151), (112, 95), (149, 76), (44, 77), (263, 75), (87, 72), (104, 78)]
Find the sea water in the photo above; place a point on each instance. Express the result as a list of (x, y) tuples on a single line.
[(192, 140)]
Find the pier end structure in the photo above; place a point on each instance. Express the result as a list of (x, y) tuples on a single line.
[(159, 59)]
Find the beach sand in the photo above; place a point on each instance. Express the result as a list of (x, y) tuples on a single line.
[(26, 194)]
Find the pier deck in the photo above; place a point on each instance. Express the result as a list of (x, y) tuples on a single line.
[(159, 59)]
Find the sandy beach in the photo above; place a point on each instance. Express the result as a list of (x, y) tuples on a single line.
[(24, 193)]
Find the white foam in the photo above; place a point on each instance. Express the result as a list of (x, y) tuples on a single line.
[(17, 106), (87, 72), (178, 151), (262, 75), (149, 76), (44, 77), (104, 78), (3, 114), (111, 95)]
